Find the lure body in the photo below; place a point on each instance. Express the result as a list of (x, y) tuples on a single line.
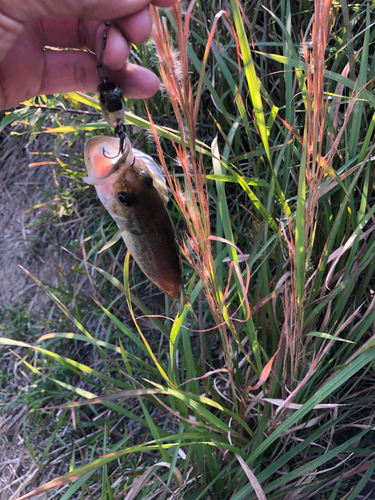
[(132, 188), (111, 103)]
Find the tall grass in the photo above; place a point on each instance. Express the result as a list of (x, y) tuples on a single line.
[(270, 394)]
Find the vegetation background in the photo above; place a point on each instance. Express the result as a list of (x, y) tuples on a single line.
[(264, 130)]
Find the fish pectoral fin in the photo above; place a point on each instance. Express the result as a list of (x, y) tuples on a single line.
[(112, 241)]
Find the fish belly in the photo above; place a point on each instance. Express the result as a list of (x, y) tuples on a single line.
[(158, 257)]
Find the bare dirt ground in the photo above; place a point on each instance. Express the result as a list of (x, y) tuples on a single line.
[(23, 242)]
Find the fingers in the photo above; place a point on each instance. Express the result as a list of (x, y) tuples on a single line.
[(76, 34), (69, 71), (116, 50), (136, 28)]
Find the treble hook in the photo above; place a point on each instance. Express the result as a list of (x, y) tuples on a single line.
[(120, 133)]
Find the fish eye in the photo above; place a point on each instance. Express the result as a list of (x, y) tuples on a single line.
[(126, 199), (147, 178)]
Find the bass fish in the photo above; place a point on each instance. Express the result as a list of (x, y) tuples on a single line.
[(132, 188)]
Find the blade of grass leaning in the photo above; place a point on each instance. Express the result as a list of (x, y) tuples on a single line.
[(356, 116), (285, 458), (300, 226), (97, 464), (84, 99), (226, 222), (331, 239), (70, 316), (288, 78), (82, 369), (307, 467), (61, 306), (77, 484), (125, 330), (117, 283), (231, 178), (222, 199), (206, 54), (101, 343), (329, 75), (6, 341), (173, 344), (195, 402), (251, 76), (362, 484), (319, 396), (255, 200), (293, 52), (129, 301), (328, 336), (132, 119)]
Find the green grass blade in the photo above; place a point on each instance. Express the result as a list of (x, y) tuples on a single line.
[(252, 79)]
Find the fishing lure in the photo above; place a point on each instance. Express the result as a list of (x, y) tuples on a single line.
[(110, 97), (132, 187)]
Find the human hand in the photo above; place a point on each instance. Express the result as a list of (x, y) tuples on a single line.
[(27, 26)]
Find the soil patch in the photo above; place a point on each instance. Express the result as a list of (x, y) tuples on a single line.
[(23, 241)]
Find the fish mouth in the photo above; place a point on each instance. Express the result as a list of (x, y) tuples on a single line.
[(103, 158)]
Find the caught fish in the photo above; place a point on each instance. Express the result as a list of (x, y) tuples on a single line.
[(132, 188)]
